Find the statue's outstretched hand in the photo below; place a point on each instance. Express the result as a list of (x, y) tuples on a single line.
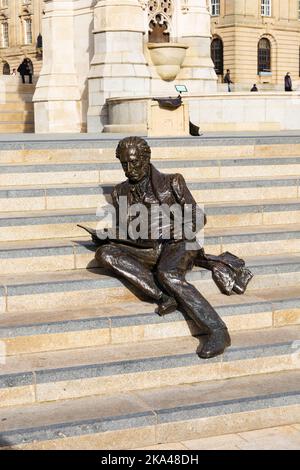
[(100, 241), (96, 240)]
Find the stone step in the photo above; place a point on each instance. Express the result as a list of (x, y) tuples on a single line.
[(89, 288), (253, 213), (71, 336), (61, 254), (107, 172), (24, 96), (57, 197), (144, 418), (135, 321), (93, 148), (16, 116), (19, 87), (161, 415), (18, 126), (37, 225), (33, 225), (15, 106), (286, 437), (76, 373)]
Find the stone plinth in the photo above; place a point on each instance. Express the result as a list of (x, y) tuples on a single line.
[(168, 122), (145, 116), (211, 112)]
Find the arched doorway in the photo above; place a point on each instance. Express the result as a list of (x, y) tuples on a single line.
[(264, 56), (6, 68), (217, 55)]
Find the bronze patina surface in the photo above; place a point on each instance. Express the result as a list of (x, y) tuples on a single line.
[(157, 267)]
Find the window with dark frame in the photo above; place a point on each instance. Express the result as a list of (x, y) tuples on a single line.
[(266, 7), (215, 7), (264, 56), (217, 55)]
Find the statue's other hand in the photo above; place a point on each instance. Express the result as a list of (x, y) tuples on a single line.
[(101, 241), (97, 240)]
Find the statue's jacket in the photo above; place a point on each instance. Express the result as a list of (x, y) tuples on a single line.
[(165, 190), (228, 271)]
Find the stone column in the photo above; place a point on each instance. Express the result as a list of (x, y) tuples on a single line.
[(195, 31), (118, 67), (57, 104)]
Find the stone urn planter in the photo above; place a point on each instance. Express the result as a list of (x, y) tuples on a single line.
[(167, 58)]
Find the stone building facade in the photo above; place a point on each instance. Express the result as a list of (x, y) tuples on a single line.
[(258, 40), (20, 27), (94, 50)]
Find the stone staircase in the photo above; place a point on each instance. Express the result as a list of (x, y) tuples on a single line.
[(90, 366), (16, 106)]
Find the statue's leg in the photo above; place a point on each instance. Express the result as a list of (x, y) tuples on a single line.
[(132, 264), (174, 263)]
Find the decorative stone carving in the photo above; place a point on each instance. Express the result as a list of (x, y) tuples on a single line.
[(26, 11), (144, 4), (160, 16), (184, 6)]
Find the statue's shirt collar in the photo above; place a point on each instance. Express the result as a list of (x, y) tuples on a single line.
[(142, 192)]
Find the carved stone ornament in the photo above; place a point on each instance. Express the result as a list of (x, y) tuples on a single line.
[(185, 6), (144, 4), (160, 13)]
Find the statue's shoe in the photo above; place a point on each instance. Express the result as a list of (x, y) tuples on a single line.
[(167, 305), (216, 344)]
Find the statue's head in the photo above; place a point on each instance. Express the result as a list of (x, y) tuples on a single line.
[(134, 154)]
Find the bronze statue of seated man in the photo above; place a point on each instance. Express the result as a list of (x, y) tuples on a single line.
[(157, 267)]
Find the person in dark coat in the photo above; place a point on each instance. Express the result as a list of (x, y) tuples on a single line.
[(288, 86), (254, 88), (25, 68), (227, 79)]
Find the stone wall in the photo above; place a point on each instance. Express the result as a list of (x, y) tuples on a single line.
[(211, 112)]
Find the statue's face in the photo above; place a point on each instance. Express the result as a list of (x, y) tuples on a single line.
[(135, 166)]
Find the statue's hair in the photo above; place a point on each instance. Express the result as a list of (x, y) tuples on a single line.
[(140, 144)]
